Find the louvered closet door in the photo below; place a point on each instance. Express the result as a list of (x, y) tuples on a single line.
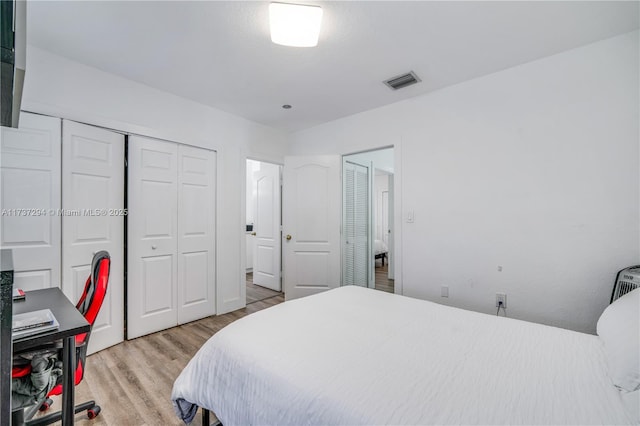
[(196, 233), (152, 236), (356, 225), (93, 197), (30, 200)]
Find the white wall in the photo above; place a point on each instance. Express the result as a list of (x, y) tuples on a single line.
[(534, 168), (380, 185), (63, 88)]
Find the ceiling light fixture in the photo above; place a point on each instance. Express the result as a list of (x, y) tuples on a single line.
[(295, 24)]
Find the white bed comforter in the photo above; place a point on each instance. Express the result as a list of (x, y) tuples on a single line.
[(355, 356), (380, 247)]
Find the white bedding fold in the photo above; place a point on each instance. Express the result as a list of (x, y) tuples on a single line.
[(359, 356), (380, 247)]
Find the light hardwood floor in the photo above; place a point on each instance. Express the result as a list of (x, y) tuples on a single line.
[(382, 277), (132, 381), (256, 292)]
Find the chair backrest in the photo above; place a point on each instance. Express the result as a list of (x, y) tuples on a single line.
[(95, 290)]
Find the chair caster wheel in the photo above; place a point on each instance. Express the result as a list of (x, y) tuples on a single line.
[(93, 412), (46, 404)]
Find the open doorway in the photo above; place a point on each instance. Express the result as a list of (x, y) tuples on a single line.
[(263, 230), (367, 239)]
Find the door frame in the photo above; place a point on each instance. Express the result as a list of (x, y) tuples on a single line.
[(371, 281), (398, 214), (243, 208)]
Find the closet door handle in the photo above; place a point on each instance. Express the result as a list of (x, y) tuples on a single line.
[(154, 247), (288, 237)]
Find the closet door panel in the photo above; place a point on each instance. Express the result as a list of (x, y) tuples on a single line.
[(30, 223), (196, 233), (152, 236), (156, 288), (93, 202)]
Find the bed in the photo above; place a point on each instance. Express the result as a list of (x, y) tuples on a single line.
[(362, 357), (380, 250)]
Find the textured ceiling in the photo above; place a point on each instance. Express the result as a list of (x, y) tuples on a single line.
[(219, 53)]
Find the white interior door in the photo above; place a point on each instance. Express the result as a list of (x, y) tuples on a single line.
[(357, 254), (152, 236), (93, 201), (311, 224), (30, 223), (267, 247), (196, 233)]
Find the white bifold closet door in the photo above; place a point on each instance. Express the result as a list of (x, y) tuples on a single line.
[(356, 225), (196, 233), (93, 220), (171, 235), (30, 200)]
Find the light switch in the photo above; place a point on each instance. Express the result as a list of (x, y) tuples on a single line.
[(410, 216)]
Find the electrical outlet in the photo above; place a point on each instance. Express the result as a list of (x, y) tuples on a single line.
[(501, 297)]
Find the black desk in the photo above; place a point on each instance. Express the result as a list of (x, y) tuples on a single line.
[(71, 322), (6, 309)]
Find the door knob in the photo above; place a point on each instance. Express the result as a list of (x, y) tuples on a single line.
[(154, 247), (253, 233), (288, 237)]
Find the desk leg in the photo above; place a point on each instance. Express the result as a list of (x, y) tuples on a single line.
[(68, 379)]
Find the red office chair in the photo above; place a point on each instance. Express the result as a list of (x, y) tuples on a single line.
[(95, 290)]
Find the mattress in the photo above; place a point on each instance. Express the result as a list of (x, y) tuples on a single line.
[(362, 357)]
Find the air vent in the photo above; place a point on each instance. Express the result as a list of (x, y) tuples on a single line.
[(403, 80)]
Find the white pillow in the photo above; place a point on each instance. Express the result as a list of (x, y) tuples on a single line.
[(619, 329)]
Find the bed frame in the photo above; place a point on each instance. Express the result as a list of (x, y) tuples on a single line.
[(206, 417)]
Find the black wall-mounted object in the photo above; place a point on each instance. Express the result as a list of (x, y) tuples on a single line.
[(13, 29)]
